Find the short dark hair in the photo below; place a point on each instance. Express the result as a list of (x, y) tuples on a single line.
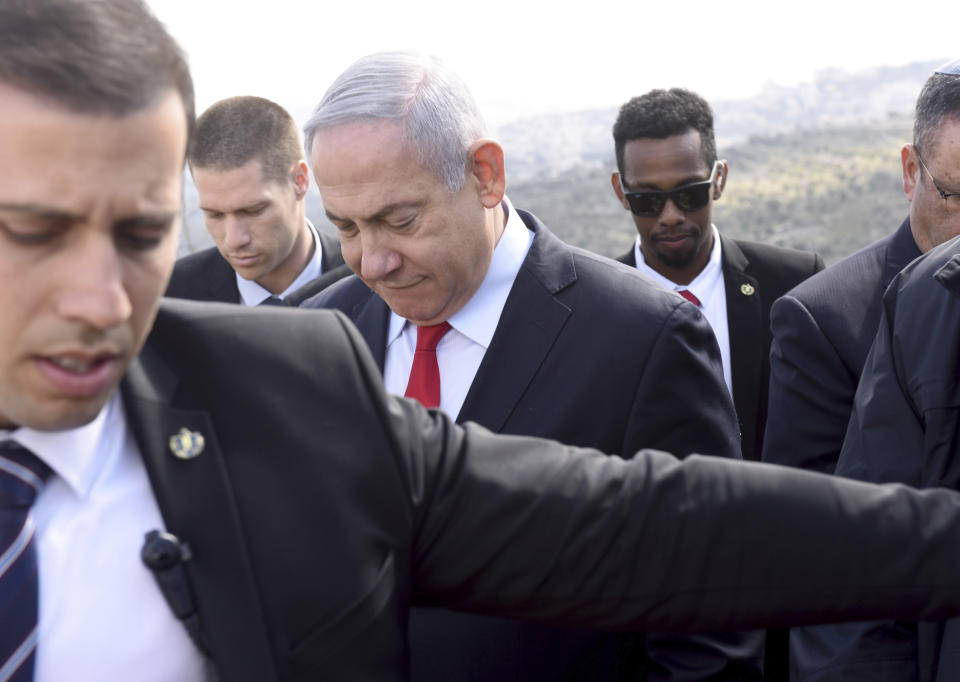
[(664, 113), (939, 99), (92, 56), (237, 130)]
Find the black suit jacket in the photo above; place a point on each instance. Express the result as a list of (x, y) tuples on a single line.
[(320, 509), (207, 276), (754, 275), (822, 331), (598, 357), (903, 428)]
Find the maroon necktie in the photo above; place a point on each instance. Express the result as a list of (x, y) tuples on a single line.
[(424, 382), (687, 294)]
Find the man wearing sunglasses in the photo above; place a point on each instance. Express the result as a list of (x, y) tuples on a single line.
[(668, 178), (838, 331)]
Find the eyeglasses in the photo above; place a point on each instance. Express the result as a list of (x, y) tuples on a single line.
[(692, 197), (946, 195)]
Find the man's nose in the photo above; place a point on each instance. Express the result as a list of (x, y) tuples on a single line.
[(236, 233), (378, 257), (671, 213), (92, 288)]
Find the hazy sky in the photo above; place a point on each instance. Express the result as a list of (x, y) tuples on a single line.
[(524, 57)]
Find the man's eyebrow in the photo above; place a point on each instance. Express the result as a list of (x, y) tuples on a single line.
[(149, 219), (380, 214), (40, 211), (640, 186), (238, 209)]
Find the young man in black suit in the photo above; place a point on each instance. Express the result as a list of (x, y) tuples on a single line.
[(544, 340), (304, 508), (668, 177), (251, 179)]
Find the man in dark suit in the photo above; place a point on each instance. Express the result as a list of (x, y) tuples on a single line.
[(668, 178), (905, 393), (252, 181), (544, 339), (822, 330), (304, 509), (664, 142)]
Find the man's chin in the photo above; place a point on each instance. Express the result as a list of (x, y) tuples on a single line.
[(676, 259), (59, 415)]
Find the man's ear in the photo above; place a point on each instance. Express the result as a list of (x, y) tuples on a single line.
[(911, 167), (721, 181), (618, 189), (300, 177), (487, 167)]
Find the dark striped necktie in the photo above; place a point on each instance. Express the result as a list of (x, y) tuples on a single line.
[(269, 300), (22, 476)]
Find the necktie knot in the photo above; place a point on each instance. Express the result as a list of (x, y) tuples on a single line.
[(428, 336), (687, 294), (274, 300), (424, 381)]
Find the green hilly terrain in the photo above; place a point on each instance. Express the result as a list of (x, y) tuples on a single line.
[(829, 189)]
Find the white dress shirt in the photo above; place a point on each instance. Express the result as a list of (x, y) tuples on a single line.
[(461, 350), (708, 287), (101, 614), (252, 293)]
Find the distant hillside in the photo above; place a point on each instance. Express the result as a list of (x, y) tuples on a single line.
[(813, 166), (548, 145), (831, 189)]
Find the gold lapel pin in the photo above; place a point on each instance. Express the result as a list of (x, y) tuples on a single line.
[(186, 444), (747, 289)]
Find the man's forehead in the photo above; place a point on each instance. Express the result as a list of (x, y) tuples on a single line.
[(332, 143), (69, 162), (669, 158), (366, 167)]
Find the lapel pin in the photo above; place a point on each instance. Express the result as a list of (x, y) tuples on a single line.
[(747, 289), (186, 444)]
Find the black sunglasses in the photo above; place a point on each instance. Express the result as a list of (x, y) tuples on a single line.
[(692, 197)]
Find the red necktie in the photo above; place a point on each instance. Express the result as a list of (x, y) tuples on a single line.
[(687, 294), (424, 382)]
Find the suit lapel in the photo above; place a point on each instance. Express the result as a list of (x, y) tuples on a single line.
[(745, 328), (314, 287), (222, 281), (330, 254), (529, 325), (901, 250), (372, 317), (628, 258), (197, 505)]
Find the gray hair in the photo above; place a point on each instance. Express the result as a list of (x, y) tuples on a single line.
[(439, 117), (939, 100)]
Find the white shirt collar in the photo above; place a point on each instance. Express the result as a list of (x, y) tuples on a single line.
[(75, 455), (252, 293), (705, 281), (476, 320)]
